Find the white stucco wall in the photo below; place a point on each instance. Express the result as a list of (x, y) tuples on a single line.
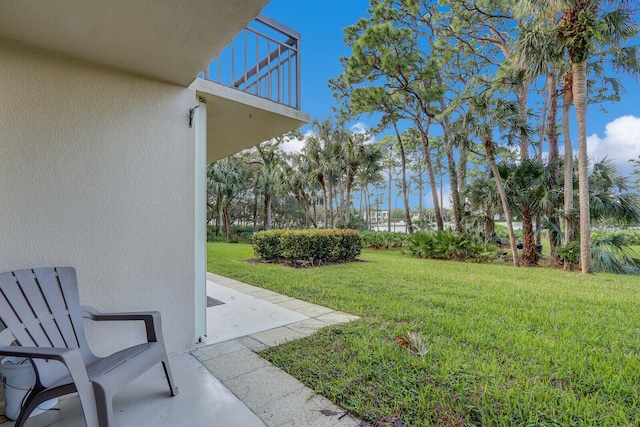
[(97, 172)]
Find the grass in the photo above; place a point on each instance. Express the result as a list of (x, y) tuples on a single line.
[(501, 346)]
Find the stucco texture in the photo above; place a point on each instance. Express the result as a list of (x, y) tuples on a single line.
[(97, 172)]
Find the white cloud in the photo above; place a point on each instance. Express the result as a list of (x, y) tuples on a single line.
[(296, 144), (363, 128), (359, 128), (620, 143)]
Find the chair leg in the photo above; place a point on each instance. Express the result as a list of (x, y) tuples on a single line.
[(167, 373), (104, 407), (30, 403)]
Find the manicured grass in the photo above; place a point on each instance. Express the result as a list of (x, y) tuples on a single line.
[(506, 346)]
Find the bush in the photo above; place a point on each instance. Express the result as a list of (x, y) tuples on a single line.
[(450, 245), (356, 222), (266, 244), (569, 253), (384, 239), (315, 246), (238, 233)]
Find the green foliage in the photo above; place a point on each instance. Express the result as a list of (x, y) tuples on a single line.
[(612, 254), (502, 232), (267, 244), (239, 233), (449, 245), (315, 246), (384, 239), (569, 253), (356, 222)]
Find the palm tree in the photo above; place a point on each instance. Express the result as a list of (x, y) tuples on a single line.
[(482, 196), (316, 152), (270, 160), (527, 190), (582, 24), (298, 181), (225, 180), (356, 155), (487, 114)]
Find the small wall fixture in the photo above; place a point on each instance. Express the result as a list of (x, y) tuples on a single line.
[(191, 113)]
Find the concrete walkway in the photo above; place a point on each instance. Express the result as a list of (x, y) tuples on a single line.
[(274, 396)]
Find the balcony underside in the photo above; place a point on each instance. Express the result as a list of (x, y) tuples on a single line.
[(160, 39), (237, 120)]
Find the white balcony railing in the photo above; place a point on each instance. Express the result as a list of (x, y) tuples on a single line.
[(264, 60)]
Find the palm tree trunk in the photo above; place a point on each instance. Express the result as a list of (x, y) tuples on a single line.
[(567, 91), (420, 188), (488, 146), (579, 70), (331, 202), (523, 100), (348, 204), (219, 216), (529, 253), (255, 212), (267, 212), (389, 212), (325, 204), (552, 135), (433, 182), (453, 173), (403, 160)]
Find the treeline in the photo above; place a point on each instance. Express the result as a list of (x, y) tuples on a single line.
[(498, 79)]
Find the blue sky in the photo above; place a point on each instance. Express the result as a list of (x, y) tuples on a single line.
[(615, 134)]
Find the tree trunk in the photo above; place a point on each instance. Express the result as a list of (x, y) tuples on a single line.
[(579, 70), (219, 219), (432, 181), (348, 203), (255, 212), (420, 188), (488, 146), (325, 204), (453, 176), (552, 136), (227, 225), (403, 160), (330, 207), (489, 226), (523, 100), (389, 210), (569, 216), (529, 253), (267, 212)]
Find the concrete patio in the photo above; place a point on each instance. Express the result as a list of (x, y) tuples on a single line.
[(224, 382)]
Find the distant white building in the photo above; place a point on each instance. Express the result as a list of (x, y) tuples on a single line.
[(379, 216)]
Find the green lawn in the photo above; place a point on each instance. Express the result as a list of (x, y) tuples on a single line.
[(506, 346)]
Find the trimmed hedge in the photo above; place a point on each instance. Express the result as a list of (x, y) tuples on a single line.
[(327, 245)]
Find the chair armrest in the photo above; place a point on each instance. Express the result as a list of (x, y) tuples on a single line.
[(38, 352), (73, 361), (152, 321)]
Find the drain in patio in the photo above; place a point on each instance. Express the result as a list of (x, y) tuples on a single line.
[(212, 302)]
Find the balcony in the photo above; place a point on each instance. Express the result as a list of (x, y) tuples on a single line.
[(252, 88), (263, 60)]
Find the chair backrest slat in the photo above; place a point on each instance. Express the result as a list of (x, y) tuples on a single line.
[(68, 282), (53, 292), (42, 308), (8, 314), (30, 288), (19, 303)]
